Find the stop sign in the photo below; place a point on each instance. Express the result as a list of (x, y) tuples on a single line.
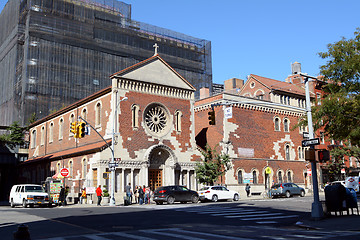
[(64, 172)]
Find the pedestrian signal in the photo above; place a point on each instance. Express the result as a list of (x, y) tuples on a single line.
[(106, 175), (211, 117), (323, 155), (81, 129)]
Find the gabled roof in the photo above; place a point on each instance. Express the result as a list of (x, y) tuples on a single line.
[(156, 71), (277, 85)]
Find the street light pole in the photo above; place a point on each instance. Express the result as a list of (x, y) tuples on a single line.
[(112, 163), (316, 207)]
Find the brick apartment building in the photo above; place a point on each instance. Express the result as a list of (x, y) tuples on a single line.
[(259, 136), (153, 141)]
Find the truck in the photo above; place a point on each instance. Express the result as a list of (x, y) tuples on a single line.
[(52, 187)]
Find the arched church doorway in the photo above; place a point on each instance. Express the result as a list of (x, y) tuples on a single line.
[(160, 173)]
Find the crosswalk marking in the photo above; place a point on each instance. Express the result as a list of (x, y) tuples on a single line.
[(192, 232), (275, 217), (253, 215), (234, 213)]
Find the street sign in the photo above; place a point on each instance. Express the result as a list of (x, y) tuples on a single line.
[(310, 142), (64, 172), (228, 112), (306, 135), (113, 165), (308, 172), (343, 170)]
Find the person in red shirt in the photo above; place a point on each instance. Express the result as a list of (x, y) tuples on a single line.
[(99, 194)]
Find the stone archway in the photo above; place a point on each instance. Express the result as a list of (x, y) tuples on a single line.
[(161, 166)]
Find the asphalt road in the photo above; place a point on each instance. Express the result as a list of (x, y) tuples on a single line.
[(246, 219)]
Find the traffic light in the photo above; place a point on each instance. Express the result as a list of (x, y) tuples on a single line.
[(323, 155), (81, 129), (211, 117), (73, 129)]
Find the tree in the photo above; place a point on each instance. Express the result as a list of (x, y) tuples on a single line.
[(213, 166), (340, 105), (339, 112), (15, 135)]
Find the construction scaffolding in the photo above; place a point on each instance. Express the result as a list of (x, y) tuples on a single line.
[(55, 52)]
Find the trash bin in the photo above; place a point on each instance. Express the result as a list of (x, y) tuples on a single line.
[(335, 198)]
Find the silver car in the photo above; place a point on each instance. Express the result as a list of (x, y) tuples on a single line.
[(287, 190)]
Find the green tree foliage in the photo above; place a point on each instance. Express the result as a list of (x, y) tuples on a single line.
[(15, 135), (339, 112), (213, 166)]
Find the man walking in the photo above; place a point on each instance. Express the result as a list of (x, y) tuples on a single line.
[(129, 193), (99, 194)]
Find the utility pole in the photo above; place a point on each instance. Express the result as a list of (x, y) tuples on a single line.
[(316, 207)]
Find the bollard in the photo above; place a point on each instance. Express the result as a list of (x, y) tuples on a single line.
[(22, 233)]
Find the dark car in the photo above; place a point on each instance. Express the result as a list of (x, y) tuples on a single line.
[(171, 194), (287, 190)]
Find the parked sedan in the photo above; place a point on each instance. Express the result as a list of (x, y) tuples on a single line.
[(171, 194), (215, 193), (287, 190)]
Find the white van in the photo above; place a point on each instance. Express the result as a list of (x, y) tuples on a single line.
[(28, 195), (352, 182)]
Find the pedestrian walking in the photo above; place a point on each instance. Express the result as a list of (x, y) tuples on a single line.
[(247, 189), (99, 195), (62, 197), (141, 195), (129, 193), (136, 194)]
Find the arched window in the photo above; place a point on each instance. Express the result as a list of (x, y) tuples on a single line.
[(240, 177), (289, 178), (58, 165), (287, 152), (300, 152), (71, 168), (178, 116), (84, 168), (277, 124), (286, 125), (135, 116), (98, 114), (61, 128), (42, 138), (254, 174), (33, 139), (280, 177), (51, 133), (84, 114)]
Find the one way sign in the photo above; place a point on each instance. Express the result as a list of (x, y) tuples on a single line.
[(310, 142)]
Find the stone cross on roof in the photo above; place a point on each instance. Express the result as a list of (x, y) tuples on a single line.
[(156, 48)]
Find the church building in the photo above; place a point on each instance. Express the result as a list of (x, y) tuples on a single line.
[(146, 116)]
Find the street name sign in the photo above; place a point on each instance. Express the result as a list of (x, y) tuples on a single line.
[(306, 135), (310, 142)]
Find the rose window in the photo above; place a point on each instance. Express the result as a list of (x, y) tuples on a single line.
[(156, 118)]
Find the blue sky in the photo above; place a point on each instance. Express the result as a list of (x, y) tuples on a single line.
[(259, 37)]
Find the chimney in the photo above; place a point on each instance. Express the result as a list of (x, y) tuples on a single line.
[(204, 93), (233, 83)]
